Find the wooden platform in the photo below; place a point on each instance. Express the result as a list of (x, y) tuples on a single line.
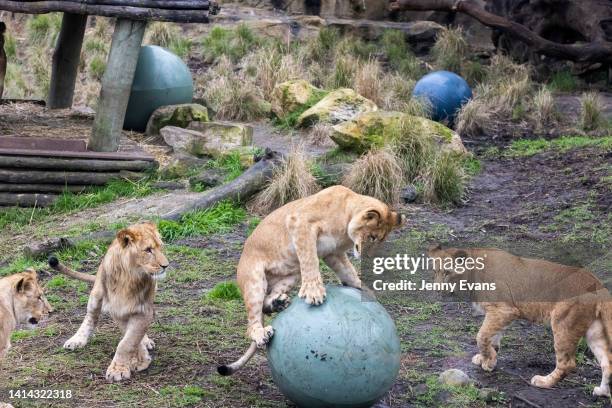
[(33, 171)]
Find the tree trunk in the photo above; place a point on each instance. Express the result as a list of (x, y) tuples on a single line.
[(65, 64), (117, 85), (595, 51)]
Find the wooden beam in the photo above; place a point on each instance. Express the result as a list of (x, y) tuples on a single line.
[(63, 177), (66, 58), (27, 200), (2, 58), (40, 188), (161, 4), (51, 163), (116, 85), (135, 13)]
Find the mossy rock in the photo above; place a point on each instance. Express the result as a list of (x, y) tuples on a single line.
[(290, 96), (368, 130), (336, 107), (176, 115)]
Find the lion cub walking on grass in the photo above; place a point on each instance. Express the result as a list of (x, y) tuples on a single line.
[(125, 287), (572, 299), (287, 244)]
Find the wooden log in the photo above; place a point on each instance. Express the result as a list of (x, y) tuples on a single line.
[(239, 190), (160, 4), (3, 61), (598, 51), (40, 188), (37, 249), (122, 12), (116, 85), (63, 177), (65, 63), (27, 200), (50, 163)]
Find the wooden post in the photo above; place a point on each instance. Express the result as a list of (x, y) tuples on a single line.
[(116, 85), (65, 65)]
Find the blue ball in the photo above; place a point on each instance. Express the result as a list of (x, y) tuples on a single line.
[(445, 91), (343, 353), (161, 79)]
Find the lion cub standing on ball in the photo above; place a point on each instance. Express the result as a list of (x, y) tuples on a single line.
[(124, 287), (287, 245)]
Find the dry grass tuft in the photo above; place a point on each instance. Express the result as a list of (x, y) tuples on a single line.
[(591, 117), (450, 49), (378, 173), (319, 134), (476, 117), (396, 92), (444, 180), (291, 180), (412, 144), (368, 81), (544, 109)]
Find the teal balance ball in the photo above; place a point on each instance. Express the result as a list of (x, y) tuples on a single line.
[(445, 91), (344, 353), (161, 79)]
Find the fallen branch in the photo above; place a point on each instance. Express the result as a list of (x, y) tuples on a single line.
[(599, 51)]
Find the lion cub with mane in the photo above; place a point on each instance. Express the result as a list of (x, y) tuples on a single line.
[(287, 245), (571, 299), (124, 287)]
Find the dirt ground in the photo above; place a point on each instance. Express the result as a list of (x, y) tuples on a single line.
[(557, 197)]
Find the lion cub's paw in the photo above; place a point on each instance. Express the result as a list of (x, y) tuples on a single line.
[(75, 342), (143, 359), (601, 391), (148, 343), (281, 303), (118, 372), (313, 292), (262, 336), (542, 381), (487, 365)]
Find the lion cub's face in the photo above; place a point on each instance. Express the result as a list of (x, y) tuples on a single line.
[(29, 302), (372, 225), (441, 274), (144, 249)]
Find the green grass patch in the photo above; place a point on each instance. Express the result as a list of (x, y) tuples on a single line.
[(472, 166), (219, 218), (230, 163), (232, 43), (563, 81), (224, 291), (529, 147)]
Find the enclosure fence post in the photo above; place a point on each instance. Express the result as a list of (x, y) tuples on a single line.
[(116, 85), (66, 57)]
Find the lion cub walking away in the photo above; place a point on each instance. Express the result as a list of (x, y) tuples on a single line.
[(287, 244), (571, 299), (124, 287), (21, 302)]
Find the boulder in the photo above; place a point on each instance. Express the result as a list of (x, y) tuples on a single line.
[(454, 377), (176, 115), (208, 138), (368, 129), (338, 106), (290, 95)]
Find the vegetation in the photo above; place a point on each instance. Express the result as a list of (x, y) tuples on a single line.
[(378, 173), (591, 117), (529, 147), (291, 180), (450, 49)]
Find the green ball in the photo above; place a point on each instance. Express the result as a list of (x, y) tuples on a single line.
[(161, 79), (343, 353)]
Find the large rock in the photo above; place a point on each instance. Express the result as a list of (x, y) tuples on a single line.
[(176, 115), (338, 106), (290, 95), (454, 377), (208, 138), (369, 129)]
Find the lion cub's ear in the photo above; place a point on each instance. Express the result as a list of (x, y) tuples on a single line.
[(372, 215), (24, 284), (125, 237)]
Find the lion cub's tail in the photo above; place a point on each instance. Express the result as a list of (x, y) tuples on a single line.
[(55, 264), (238, 364)]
